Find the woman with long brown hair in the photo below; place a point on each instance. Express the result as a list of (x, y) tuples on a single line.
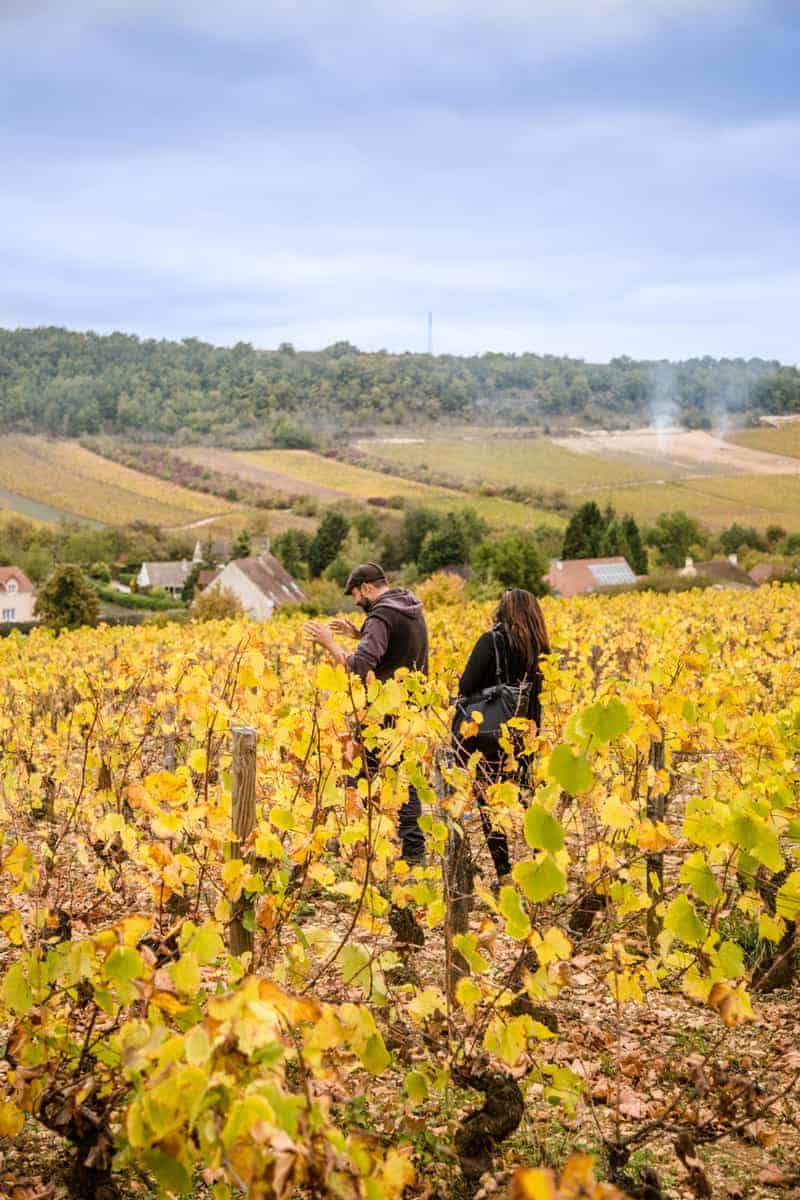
[(508, 654)]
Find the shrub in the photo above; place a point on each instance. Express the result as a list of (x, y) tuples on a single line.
[(216, 604)]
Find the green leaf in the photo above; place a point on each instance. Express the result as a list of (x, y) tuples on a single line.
[(697, 874), (416, 1087), (17, 992), (605, 721), (570, 770), (518, 924), (354, 964), (197, 1046), (681, 919), (168, 1172), (540, 879), (467, 945), (204, 942), (186, 974), (758, 838), (787, 901), (375, 1056), (731, 960), (123, 964), (542, 830)]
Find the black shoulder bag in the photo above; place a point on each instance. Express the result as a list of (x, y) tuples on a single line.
[(497, 705)]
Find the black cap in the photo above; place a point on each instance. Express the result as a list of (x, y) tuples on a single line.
[(365, 573)]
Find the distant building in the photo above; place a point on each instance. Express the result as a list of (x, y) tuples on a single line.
[(260, 585), (767, 572), (169, 576), (722, 572), (17, 596), (579, 576)]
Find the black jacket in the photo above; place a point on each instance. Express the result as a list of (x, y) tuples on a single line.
[(481, 671), (394, 635)]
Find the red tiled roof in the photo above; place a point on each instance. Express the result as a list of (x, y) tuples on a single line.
[(207, 577), (23, 583)]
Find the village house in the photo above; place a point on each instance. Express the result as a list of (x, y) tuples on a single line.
[(260, 584), (168, 576), (579, 576), (722, 572), (17, 596)]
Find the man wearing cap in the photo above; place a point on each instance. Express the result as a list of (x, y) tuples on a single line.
[(394, 635)]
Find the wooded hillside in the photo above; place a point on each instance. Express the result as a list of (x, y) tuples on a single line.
[(60, 382)]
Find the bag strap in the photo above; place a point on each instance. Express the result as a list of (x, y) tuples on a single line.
[(497, 667)]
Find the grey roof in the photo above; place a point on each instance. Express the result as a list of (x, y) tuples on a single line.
[(167, 574), (721, 570), (271, 578)]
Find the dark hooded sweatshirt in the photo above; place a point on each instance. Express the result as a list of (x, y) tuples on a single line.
[(394, 635)]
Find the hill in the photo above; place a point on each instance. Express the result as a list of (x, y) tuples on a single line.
[(66, 383)]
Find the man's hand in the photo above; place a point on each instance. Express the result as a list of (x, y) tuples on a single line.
[(345, 628), (322, 636)]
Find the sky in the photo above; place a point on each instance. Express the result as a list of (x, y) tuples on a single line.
[(584, 177)]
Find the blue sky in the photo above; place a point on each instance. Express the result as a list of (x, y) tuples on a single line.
[(593, 177)]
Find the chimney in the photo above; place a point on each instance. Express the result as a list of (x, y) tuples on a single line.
[(689, 563), (558, 564), (733, 559)]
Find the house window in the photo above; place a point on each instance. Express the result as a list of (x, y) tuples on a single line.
[(11, 586), (9, 614)]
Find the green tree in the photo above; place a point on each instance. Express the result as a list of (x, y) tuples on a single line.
[(216, 604), (445, 546), (638, 554), (614, 541), (513, 561), (327, 542), (774, 535), (584, 533), (67, 600), (243, 546), (673, 535), (291, 549), (417, 524), (736, 536)]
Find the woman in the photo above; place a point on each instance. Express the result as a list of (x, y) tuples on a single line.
[(510, 650)]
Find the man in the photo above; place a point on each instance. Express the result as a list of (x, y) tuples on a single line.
[(394, 635)]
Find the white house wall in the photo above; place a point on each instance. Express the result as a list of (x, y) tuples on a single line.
[(20, 603), (251, 598)]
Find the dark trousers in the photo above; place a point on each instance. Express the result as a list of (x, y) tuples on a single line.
[(496, 840)]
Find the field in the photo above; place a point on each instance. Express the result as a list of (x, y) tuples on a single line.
[(784, 440), (639, 472), (314, 1020), (330, 479), (72, 481)]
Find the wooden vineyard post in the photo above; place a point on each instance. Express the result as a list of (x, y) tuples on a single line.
[(169, 742), (656, 809), (458, 889), (243, 820)]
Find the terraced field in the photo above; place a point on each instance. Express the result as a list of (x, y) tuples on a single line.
[(65, 479), (303, 471), (715, 481), (783, 440), (525, 462)]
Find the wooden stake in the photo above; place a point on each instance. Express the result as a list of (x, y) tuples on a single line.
[(243, 820), (656, 811), (169, 743)]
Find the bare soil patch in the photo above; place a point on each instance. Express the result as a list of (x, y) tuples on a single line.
[(693, 451)]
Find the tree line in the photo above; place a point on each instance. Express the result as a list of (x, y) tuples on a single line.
[(73, 384)]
